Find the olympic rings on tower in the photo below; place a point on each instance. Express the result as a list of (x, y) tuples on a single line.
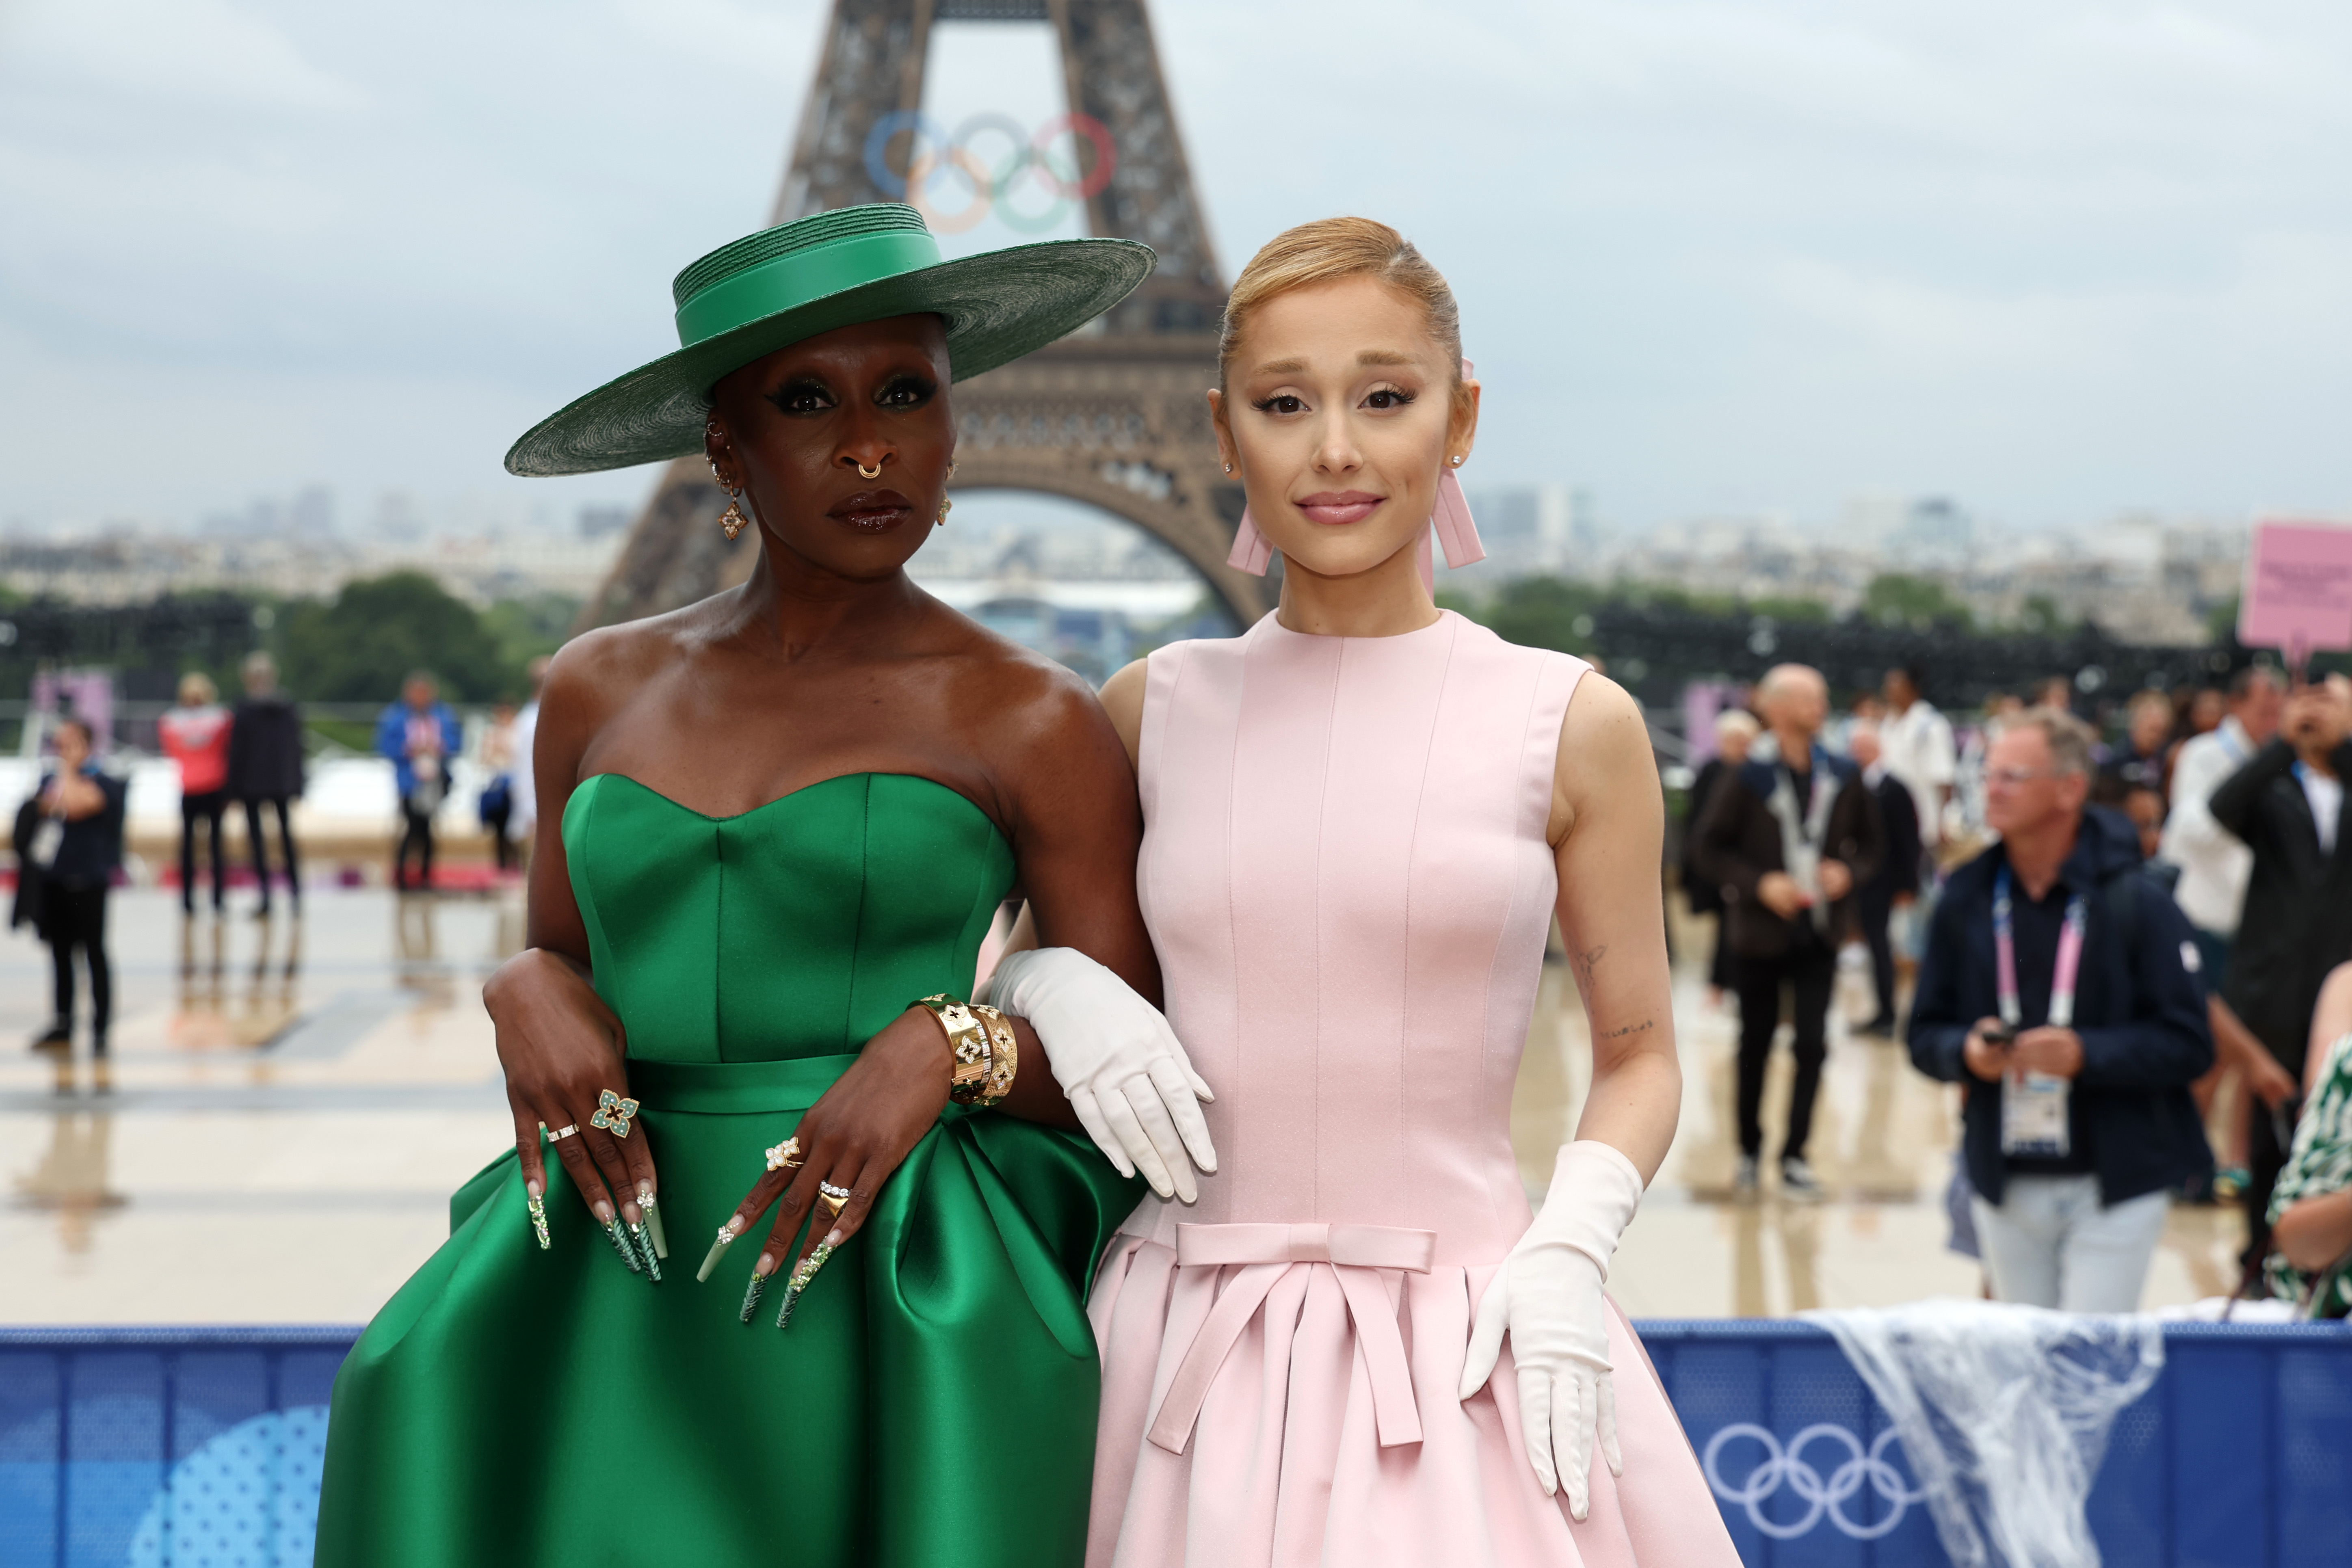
[(930, 151)]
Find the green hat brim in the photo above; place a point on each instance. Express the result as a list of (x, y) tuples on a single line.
[(998, 306)]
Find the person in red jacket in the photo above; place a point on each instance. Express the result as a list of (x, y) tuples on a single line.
[(195, 736)]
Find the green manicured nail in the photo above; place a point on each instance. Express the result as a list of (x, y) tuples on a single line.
[(758, 1288), (654, 1221), (621, 1246), (646, 1251), (717, 1249)]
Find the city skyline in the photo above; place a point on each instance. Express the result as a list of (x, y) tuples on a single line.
[(2057, 262)]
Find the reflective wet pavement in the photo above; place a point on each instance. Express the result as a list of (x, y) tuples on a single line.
[(293, 1102)]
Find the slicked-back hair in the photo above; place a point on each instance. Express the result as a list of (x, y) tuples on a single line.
[(1332, 249)]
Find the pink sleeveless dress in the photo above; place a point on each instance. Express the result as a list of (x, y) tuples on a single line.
[(1345, 873)]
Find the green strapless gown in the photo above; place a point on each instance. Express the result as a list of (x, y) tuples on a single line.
[(933, 1402)]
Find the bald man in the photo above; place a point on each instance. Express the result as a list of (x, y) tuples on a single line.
[(1788, 839)]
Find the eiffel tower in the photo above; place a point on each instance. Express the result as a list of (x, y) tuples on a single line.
[(1112, 415)]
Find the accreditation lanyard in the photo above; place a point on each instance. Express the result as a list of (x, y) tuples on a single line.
[(2033, 1105)]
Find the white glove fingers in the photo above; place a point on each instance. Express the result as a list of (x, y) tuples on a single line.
[(1143, 1097), (1183, 1109), (1606, 1398), (1571, 1435), (1133, 1139), (1535, 1426), (1486, 1333), (1174, 1049), (1090, 1117)]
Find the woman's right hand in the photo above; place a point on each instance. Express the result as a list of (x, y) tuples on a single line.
[(562, 1046)]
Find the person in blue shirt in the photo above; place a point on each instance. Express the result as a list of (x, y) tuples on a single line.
[(70, 842), (419, 734), (2077, 1048)]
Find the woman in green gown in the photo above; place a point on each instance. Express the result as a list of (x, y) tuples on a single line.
[(770, 823)]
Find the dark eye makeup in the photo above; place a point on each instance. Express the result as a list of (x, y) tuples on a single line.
[(809, 395)]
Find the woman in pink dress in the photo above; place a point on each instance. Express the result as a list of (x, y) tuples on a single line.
[(1355, 1347)]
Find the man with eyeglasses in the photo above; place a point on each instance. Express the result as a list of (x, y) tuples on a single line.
[(2060, 986)]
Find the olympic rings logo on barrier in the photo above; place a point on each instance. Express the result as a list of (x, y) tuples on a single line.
[(932, 150), (1818, 1496)]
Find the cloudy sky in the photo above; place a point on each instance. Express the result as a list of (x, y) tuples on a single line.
[(2053, 259)]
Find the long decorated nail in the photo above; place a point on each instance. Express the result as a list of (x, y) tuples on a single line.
[(710, 1260), (538, 1213), (758, 1288), (646, 1251), (652, 1217), (800, 1281), (621, 1246)]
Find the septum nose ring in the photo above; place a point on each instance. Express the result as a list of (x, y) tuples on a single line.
[(865, 473)]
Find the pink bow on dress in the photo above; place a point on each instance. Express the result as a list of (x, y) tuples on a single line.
[(1456, 533)]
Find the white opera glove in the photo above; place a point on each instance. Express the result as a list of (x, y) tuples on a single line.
[(1125, 1072), (1547, 1293)]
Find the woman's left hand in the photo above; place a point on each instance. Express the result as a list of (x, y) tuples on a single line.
[(853, 1137)]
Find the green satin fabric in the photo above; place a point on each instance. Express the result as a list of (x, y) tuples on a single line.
[(933, 1402)]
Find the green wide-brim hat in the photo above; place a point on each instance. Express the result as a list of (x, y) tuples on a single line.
[(796, 281)]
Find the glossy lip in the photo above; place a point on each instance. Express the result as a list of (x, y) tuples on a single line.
[(872, 511), (1337, 508)]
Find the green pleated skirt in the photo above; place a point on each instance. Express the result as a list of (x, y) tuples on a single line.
[(932, 1403)]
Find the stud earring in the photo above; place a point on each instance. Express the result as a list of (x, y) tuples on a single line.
[(732, 519), (953, 466), (946, 506), (1229, 467), (1457, 460)]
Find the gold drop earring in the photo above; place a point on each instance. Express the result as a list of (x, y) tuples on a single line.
[(946, 506), (732, 519)]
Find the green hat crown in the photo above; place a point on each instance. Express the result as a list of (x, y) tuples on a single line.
[(793, 264), (770, 290)]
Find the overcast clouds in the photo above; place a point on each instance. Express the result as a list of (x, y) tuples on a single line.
[(2053, 259)]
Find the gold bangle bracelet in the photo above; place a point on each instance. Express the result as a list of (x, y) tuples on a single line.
[(1003, 1055), (967, 1040)]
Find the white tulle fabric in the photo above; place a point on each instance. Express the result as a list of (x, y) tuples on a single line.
[(2004, 1414)]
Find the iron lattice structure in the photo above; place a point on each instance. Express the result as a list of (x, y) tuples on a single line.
[(1114, 415)]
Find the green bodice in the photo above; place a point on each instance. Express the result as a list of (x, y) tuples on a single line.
[(933, 1401), (798, 929)]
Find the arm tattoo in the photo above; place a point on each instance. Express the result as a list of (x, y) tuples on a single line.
[(1629, 1030), (1586, 963)]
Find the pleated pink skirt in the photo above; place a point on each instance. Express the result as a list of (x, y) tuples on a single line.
[(1284, 1465)]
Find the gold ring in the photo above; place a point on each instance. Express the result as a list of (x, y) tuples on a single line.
[(864, 474), (834, 1199), (785, 1156), (561, 1133)]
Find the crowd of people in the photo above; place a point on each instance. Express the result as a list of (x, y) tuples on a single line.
[(2119, 946)]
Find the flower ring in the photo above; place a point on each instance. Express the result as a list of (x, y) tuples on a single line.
[(612, 1113), (785, 1156)]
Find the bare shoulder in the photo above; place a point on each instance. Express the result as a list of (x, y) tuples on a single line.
[(1123, 699), (1034, 702), (597, 672), (1604, 765)]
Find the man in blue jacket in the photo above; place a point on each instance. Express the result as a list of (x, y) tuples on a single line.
[(2060, 985), (420, 735)]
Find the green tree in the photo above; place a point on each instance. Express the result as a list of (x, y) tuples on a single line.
[(1899, 599), (1544, 611), (2041, 615), (524, 629), (359, 646)]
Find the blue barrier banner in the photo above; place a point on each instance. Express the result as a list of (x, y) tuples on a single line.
[(196, 1447)]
